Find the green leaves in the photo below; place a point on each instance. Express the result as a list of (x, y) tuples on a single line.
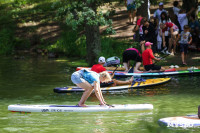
[(81, 13), (139, 3)]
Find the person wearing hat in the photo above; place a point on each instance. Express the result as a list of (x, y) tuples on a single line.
[(98, 68), (158, 12), (148, 57)]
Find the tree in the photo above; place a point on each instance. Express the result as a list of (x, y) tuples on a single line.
[(188, 4), (87, 13), (143, 9)]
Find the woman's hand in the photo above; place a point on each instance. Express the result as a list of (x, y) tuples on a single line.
[(98, 93)]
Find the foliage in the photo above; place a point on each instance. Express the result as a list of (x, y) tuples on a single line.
[(70, 45), (79, 13), (111, 47), (22, 12), (139, 3), (6, 43), (87, 12)]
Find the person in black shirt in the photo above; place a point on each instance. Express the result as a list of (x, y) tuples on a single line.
[(149, 34)]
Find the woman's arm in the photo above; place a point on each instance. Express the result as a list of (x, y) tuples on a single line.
[(98, 93), (163, 38)]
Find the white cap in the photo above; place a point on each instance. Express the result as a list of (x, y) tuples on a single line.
[(161, 3), (102, 59)]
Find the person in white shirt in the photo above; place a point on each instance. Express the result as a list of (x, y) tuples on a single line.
[(131, 8), (164, 19), (182, 17), (157, 16), (176, 10), (158, 12)]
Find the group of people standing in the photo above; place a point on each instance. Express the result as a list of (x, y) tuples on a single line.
[(165, 33)]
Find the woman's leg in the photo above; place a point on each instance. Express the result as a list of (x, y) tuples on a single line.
[(120, 82), (174, 41), (88, 90), (98, 93), (170, 45)]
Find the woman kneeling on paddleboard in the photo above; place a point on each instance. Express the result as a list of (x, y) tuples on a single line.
[(89, 80)]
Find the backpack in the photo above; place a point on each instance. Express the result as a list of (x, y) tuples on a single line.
[(112, 61)]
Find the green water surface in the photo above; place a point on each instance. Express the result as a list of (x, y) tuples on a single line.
[(31, 81)]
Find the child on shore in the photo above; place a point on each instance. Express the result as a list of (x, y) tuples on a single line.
[(186, 39)]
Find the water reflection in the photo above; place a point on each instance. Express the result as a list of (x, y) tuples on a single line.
[(31, 81), (149, 91)]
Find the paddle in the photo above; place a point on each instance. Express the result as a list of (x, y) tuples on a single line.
[(115, 69), (131, 70), (161, 58), (113, 73)]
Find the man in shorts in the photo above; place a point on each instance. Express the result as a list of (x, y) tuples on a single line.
[(148, 57), (131, 8)]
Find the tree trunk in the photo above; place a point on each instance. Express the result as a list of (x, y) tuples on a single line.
[(93, 43), (143, 9), (188, 4)]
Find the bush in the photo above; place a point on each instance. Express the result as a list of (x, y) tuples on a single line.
[(6, 43), (111, 47), (70, 45)]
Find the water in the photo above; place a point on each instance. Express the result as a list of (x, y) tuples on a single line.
[(31, 81)]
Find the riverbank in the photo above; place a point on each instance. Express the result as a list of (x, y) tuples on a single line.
[(31, 28)]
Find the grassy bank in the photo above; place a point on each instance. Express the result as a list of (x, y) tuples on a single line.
[(27, 23), (33, 25)]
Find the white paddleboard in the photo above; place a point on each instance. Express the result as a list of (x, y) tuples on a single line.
[(189, 121), (72, 108)]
